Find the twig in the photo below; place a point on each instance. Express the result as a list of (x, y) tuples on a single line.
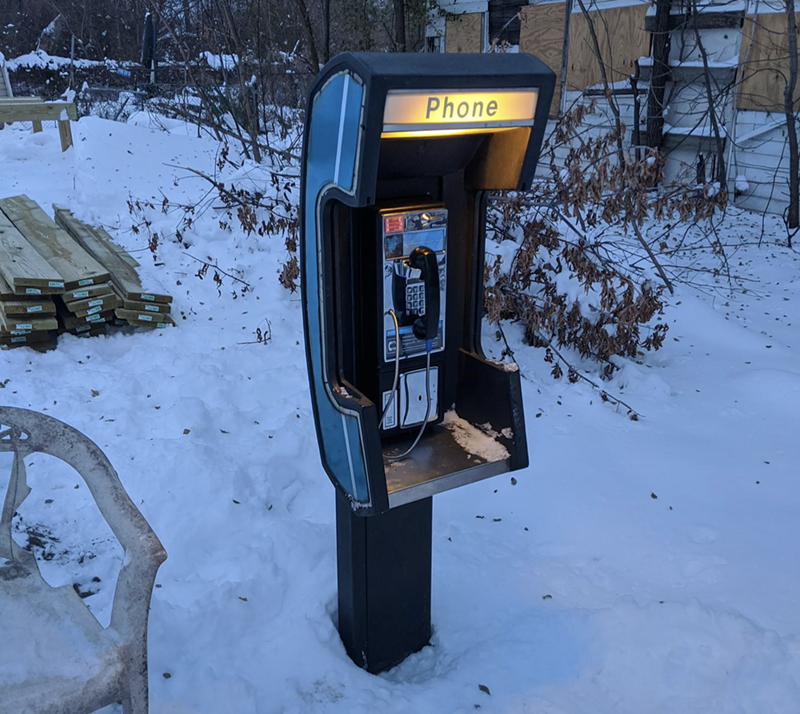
[(218, 269), (603, 392)]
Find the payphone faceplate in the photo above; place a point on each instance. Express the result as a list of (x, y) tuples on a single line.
[(403, 287)]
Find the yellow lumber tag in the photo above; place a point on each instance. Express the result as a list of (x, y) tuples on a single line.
[(87, 281), (146, 318), (34, 308)]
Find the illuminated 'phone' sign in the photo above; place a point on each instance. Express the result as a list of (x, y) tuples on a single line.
[(442, 112)]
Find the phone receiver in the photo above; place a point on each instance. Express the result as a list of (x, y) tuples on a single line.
[(424, 260)]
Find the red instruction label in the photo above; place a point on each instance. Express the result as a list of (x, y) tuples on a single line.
[(393, 224)]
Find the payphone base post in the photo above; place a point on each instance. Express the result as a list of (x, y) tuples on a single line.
[(384, 575)]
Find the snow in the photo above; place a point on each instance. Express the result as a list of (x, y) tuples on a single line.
[(646, 566), (216, 61), (741, 184), (478, 442), (40, 58)]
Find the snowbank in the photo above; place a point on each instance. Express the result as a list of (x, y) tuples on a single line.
[(640, 567)]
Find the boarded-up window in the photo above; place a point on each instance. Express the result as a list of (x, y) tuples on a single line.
[(622, 39), (542, 35), (763, 77), (463, 33)]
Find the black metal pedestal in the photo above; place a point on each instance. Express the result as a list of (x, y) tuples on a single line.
[(384, 573)]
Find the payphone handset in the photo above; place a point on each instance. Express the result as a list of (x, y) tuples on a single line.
[(414, 281)]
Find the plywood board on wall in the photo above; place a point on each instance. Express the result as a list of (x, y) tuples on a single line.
[(622, 39), (764, 70), (542, 35), (464, 33)]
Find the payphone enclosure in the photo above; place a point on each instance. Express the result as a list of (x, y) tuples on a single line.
[(401, 152)]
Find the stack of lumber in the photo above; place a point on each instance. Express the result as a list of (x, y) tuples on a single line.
[(134, 304), (85, 301), (66, 276), (27, 283)]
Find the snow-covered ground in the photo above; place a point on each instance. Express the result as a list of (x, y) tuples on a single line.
[(636, 566)]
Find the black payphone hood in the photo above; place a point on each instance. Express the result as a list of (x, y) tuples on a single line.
[(381, 72)]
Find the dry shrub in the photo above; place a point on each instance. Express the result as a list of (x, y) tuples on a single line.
[(576, 280)]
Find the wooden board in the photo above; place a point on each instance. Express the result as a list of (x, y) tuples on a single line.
[(763, 77), (464, 33), (107, 298), (25, 323), (542, 35), (70, 321), (6, 291), (32, 338), (96, 242), (89, 330), (127, 257), (143, 319), (19, 100), (109, 303), (12, 110), (76, 267), (45, 346), (622, 39), (87, 292), (22, 266), (142, 306), (8, 338), (28, 307)]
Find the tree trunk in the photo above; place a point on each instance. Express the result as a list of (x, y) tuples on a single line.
[(326, 14), (400, 25), (305, 17), (658, 82), (793, 216)]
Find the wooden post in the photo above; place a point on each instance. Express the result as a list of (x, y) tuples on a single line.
[(64, 133), (37, 126)]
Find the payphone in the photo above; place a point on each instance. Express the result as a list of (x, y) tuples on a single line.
[(400, 153)]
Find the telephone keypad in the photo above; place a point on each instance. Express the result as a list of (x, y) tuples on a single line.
[(415, 297)]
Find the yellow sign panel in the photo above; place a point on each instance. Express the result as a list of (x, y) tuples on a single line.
[(458, 110)]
